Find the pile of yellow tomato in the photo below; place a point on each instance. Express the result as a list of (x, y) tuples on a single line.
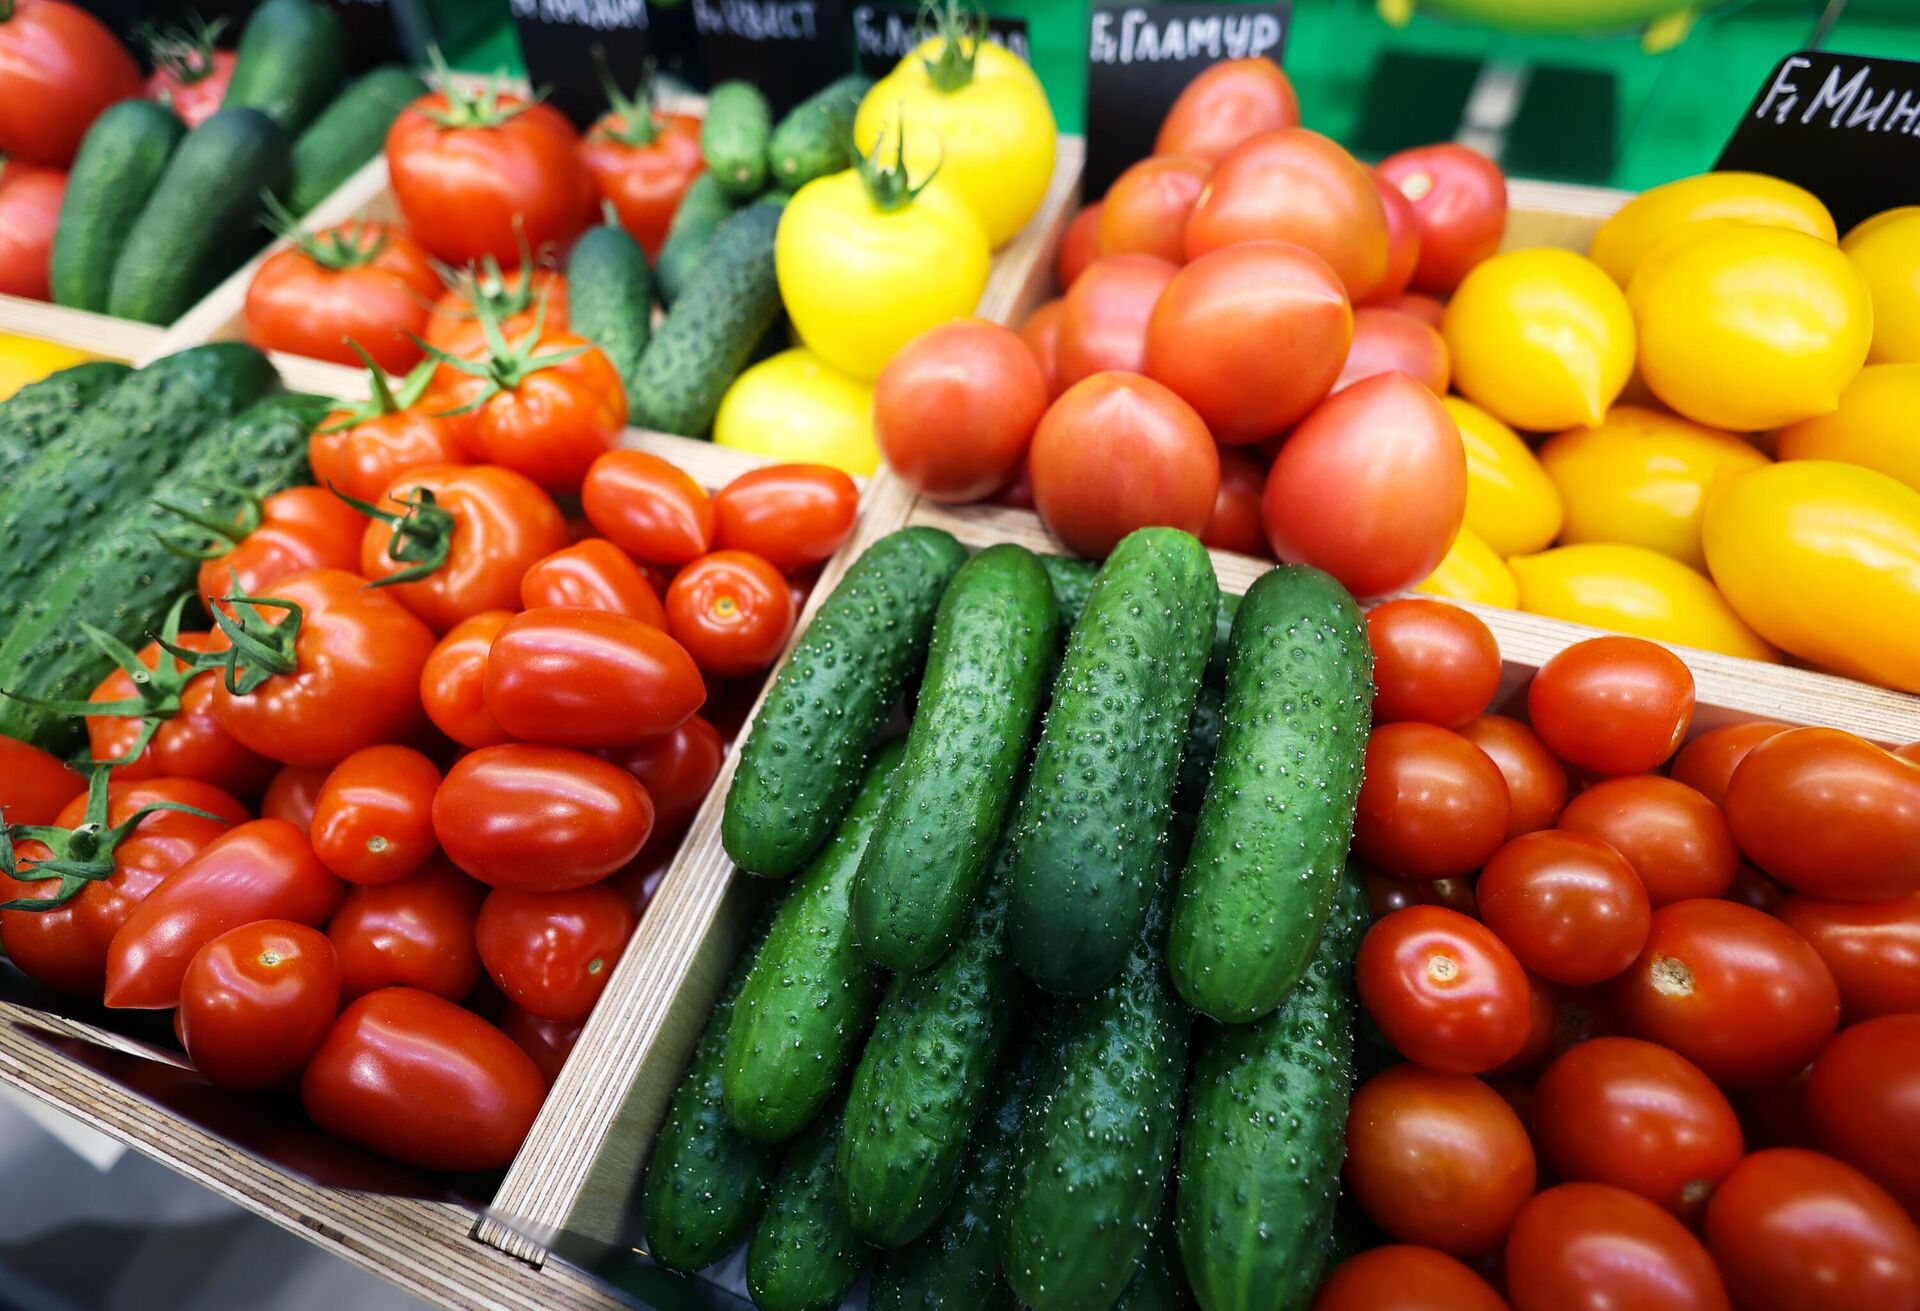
[(1705, 431)]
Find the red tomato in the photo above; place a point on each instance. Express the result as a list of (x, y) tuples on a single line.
[(1437, 1159), (412, 1076), (592, 575), (1119, 452), (1543, 1015), (373, 821), (33, 784), (793, 516), (553, 952), (1872, 949), (1145, 210), (1387, 341), (1443, 990), (1612, 705), (1403, 249), (1077, 245), (1432, 662), (1103, 318), (59, 67), (1400, 1277), (1432, 805), (1536, 780), (588, 678), (262, 869), (416, 932), (256, 1001), (190, 75), (1865, 1100), (540, 818), (453, 682), (1225, 104), (677, 770), (1459, 199), (1212, 332), (1041, 332), (1386, 894), (340, 673), (292, 794), (649, 508), (29, 212), (1590, 1247), (1706, 764), (1424, 308), (360, 450), (732, 612), (1234, 524), (291, 532), (1295, 185), (548, 406), (1830, 814), (1570, 907), (955, 410), (1798, 1231), (189, 741), (1676, 840), (643, 160), (517, 299), (364, 283), (1371, 487), (548, 1042), (1732, 989)]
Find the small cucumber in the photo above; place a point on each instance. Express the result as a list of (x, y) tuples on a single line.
[(291, 58), (703, 208), (804, 1255), (810, 996), (350, 131), (610, 297), (812, 139), (120, 163), (987, 671), (831, 699), (1196, 758), (1073, 579), (36, 416), (734, 136), (1159, 1284), (1278, 814)]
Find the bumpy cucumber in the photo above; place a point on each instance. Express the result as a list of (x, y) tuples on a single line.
[(610, 297), (1222, 654), (350, 131), (734, 137), (1159, 1284), (812, 139), (703, 208), (291, 58), (804, 1255), (1196, 759), (34, 417), (831, 699), (1091, 828), (1073, 579), (120, 163), (987, 667), (1278, 815)]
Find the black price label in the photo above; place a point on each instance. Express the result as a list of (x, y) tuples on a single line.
[(558, 40), (787, 48), (1139, 59), (1845, 127), (883, 35)]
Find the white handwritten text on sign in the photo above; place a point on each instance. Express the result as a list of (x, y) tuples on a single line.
[(1132, 36)]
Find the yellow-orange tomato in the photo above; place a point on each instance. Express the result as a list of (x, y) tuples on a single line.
[(1886, 250), (1656, 213), (1877, 425), (1472, 572), (1512, 505), (1629, 589)]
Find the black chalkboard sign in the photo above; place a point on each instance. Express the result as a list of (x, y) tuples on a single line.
[(371, 26), (1845, 127), (1140, 57), (884, 33), (787, 48), (558, 40)]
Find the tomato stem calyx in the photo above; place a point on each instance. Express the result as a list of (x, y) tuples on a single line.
[(888, 185), (634, 112), (349, 245), (185, 53), (471, 109), (961, 28), (261, 649), (505, 366), (217, 536), (422, 533), (76, 856), (385, 399)]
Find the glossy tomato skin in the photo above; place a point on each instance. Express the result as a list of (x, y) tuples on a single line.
[(363, 459), (263, 869), (1732, 989), (520, 297), (793, 516), (256, 1001), (1388, 341), (1103, 317), (1405, 1277), (59, 67), (1459, 200), (193, 92), (1224, 105), (30, 201), (292, 794), (1872, 948), (677, 769), (1865, 1100), (1706, 763), (1403, 248), (1591, 1247), (1570, 907), (592, 575), (373, 819), (589, 678), (34, 784), (954, 410), (540, 818), (189, 744), (1235, 524), (1077, 246), (1386, 894), (414, 1077), (645, 179), (1444, 990), (300, 528), (548, 1042), (552, 424), (1041, 333), (1677, 841), (1612, 705), (732, 612), (648, 507), (1536, 780), (416, 932), (1145, 210), (453, 682), (1432, 805), (1432, 662), (381, 300), (552, 953)]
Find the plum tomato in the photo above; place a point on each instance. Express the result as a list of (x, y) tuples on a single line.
[(552, 953), (453, 682), (1405, 1277), (1145, 210), (648, 507), (954, 411), (548, 1042), (1041, 333), (1676, 840), (1386, 894), (592, 575), (1872, 948), (1077, 246), (1225, 104), (416, 932), (1444, 990), (541, 818), (256, 1001), (1536, 780), (1543, 1011), (1593, 1247), (373, 819), (1569, 907), (1864, 1096), (589, 678), (1706, 763), (1459, 200), (1103, 318), (677, 770), (1386, 341), (1612, 705), (732, 612), (292, 794), (1432, 662), (1234, 524), (1403, 248), (34, 784), (1432, 804), (793, 516)]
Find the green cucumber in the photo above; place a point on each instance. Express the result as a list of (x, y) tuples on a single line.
[(731, 299), (987, 671), (291, 57), (34, 417), (705, 1180), (1196, 758), (204, 218), (804, 1255), (1264, 1135), (831, 699), (703, 207), (812, 139), (810, 996), (1091, 828), (610, 297), (1278, 815), (1159, 1284), (1073, 580), (120, 163), (1222, 654), (734, 136), (348, 133)]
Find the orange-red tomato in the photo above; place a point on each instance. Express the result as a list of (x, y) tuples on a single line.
[(1145, 210), (732, 612), (373, 819), (1103, 325), (1405, 1277), (793, 516), (541, 818), (1386, 340), (362, 456), (30, 201), (1234, 524), (955, 409), (517, 298), (1443, 990), (1569, 907), (643, 160), (189, 742), (590, 678), (676, 769), (648, 507), (295, 530), (1225, 104), (1612, 705), (256, 1001), (1536, 780), (34, 784), (1459, 199), (59, 67), (1403, 247), (364, 283), (292, 794), (453, 681), (1432, 805), (416, 932), (1593, 1247), (1872, 948), (548, 1042), (1424, 308), (1865, 1100), (190, 76), (1077, 246), (1041, 332), (1432, 662), (552, 953), (1706, 764), (592, 575), (1676, 840), (546, 409)]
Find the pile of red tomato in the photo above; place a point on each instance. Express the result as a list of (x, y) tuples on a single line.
[(1658, 999)]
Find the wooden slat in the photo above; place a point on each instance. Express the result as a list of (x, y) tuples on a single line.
[(97, 334), (1022, 274)]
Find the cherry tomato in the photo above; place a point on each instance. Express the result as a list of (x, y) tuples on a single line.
[(1752, 888), (190, 76), (1733, 990), (1424, 308), (188, 742), (553, 952), (34, 785), (1612, 705), (1798, 1231), (1432, 805), (1706, 764), (373, 821), (677, 770), (1103, 318), (547, 406), (592, 575), (1145, 210), (416, 932), (516, 299), (1437, 1159), (540, 818), (1444, 990), (548, 1042), (1235, 524), (1570, 907), (1403, 248), (1459, 200), (1386, 894), (30, 200), (1591, 1247), (293, 531), (1865, 1100), (1401, 1277), (59, 67), (1432, 662), (1872, 949), (1041, 333), (292, 794), (359, 451), (1676, 840), (1388, 341), (414, 1077), (359, 283), (1077, 245), (256, 1001), (793, 516), (1225, 104), (1536, 780), (588, 678), (955, 409), (1543, 1016), (1830, 814), (453, 682), (648, 508), (643, 160), (731, 611), (1776, 1114)]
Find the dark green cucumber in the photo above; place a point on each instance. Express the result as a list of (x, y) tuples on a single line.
[(812, 139), (291, 58), (987, 671), (1073, 579), (34, 417), (706, 1181), (1222, 654), (734, 136), (804, 1255), (1097, 1146), (610, 297), (810, 996), (204, 218), (1091, 829), (348, 133), (1159, 1284), (1196, 758), (120, 163), (1278, 815), (1264, 1133), (705, 339), (703, 208), (797, 772)]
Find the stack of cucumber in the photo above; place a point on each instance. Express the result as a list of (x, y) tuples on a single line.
[(156, 215), (1056, 1008)]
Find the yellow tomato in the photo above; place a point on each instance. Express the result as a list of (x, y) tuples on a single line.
[(865, 267), (27, 359), (1877, 425), (1540, 338), (1746, 328), (1512, 505), (1641, 479), (1886, 250), (978, 113), (1630, 589), (1749, 197), (1472, 572), (1823, 558), (794, 407)]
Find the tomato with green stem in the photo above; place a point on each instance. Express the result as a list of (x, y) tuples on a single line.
[(642, 160), (1432, 805), (267, 539), (1536, 780), (34, 784), (415, 932), (552, 953), (1677, 841), (358, 283), (677, 769), (373, 819), (190, 73), (540, 818), (592, 575), (256, 1001), (1612, 705), (30, 200), (1871, 947), (360, 448), (591, 678), (514, 296), (59, 67), (1592, 1247), (453, 682), (1569, 907), (793, 516), (732, 612), (649, 507), (1445, 991)]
